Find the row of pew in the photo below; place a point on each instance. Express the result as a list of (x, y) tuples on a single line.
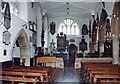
[(27, 74), (100, 73)]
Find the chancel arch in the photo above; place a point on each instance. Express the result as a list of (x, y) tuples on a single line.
[(21, 46)]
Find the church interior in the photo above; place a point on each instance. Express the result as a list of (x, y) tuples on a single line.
[(59, 41)]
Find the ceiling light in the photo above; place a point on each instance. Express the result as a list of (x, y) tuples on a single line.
[(33, 0), (67, 12), (67, 3)]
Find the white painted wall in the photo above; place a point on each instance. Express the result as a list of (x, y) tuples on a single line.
[(16, 25), (30, 14), (23, 11), (26, 13), (39, 26), (46, 24), (16, 52)]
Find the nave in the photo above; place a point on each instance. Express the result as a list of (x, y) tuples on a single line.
[(30, 30), (69, 75), (90, 73), (28, 74)]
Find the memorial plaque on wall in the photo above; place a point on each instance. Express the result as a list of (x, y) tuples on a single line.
[(83, 45), (6, 37), (52, 28), (84, 30)]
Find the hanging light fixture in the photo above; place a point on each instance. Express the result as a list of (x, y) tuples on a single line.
[(67, 10), (32, 2), (67, 3)]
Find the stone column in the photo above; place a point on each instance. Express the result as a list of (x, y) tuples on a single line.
[(115, 36), (24, 54), (101, 48), (39, 27), (115, 49)]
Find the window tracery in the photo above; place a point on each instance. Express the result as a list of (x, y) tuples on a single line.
[(69, 27)]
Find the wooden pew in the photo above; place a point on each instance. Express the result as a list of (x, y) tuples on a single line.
[(100, 71), (47, 59), (112, 72), (26, 74), (21, 77), (88, 67), (105, 77), (44, 71), (85, 65), (109, 82), (88, 74)]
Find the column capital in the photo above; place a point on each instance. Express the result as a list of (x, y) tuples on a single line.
[(114, 36)]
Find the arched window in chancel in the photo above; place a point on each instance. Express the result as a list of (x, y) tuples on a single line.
[(69, 27)]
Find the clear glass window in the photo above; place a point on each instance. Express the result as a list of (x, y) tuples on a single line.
[(69, 27)]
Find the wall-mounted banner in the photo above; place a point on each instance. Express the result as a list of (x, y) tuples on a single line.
[(52, 28), (84, 29), (83, 45), (7, 16)]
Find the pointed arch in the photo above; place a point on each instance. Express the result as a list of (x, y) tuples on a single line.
[(115, 19), (103, 18), (69, 27), (24, 46)]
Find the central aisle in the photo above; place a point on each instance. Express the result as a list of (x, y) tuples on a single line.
[(69, 75)]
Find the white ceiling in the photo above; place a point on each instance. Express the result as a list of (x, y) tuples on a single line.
[(79, 9), (76, 8)]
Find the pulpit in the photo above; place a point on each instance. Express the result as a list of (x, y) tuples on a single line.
[(61, 42)]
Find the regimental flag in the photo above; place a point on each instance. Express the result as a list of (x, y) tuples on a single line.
[(7, 16), (52, 28)]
